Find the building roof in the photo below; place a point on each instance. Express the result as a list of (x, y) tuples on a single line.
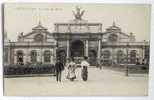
[(39, 27), (113, 27)]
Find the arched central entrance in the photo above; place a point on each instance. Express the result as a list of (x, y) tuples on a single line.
[(77, 48)]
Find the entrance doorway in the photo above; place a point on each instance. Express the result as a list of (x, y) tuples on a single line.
[(77, 51), (77, 48)]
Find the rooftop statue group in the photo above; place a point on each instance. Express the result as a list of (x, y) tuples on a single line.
[(78, 15)]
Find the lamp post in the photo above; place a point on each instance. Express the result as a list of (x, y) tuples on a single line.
[(127, 70)]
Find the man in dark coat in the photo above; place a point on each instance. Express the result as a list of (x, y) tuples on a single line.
[(59, 67)]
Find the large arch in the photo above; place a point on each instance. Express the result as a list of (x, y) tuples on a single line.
[(77, 48)]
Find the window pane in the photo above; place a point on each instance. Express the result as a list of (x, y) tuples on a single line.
[(33, 56), (47, 56)]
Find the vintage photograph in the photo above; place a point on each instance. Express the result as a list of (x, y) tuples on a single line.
[(68, 49)]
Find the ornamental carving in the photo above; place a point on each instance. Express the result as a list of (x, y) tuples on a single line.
[(113, 38), (38, 38)]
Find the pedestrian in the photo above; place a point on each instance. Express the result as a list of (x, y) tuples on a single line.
[(71, 67), (84, 68), (59, 67)]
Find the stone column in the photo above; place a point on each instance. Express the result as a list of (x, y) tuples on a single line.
[(68, 49), (113, 55), (12, 55), (54, 55), (99, 51), (143, 52), (27, 54), (9, 52), (42, 57), (15, 58), (100, 29), (24, 57), (86, 51), (39, 58), (42, 52)]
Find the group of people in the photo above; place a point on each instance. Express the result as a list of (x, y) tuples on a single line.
[(71, 68)]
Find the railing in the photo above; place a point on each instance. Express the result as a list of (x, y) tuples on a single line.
[(134, 68), (20, 70)]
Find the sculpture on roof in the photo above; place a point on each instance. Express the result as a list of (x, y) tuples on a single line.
[(78, 15)]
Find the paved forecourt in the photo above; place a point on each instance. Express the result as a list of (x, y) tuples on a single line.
[(103, 82)]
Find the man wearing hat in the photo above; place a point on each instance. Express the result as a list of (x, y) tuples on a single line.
[(59, 67)]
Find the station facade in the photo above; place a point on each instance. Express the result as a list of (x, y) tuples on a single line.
[(76, 38)]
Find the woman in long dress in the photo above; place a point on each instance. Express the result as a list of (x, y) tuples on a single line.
[(84, 69), (71, 70)]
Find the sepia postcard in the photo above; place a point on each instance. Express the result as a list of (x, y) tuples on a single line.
[(68, 49)]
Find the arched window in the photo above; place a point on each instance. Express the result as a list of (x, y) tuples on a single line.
[(20, 57), (133, 56), (6, 55), (47, 56), (106, 54), (33, 56), (120, 56), (146, 55), (106, 57), (113, 38)]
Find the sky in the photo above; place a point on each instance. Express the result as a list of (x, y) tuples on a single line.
[(22, 17)]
